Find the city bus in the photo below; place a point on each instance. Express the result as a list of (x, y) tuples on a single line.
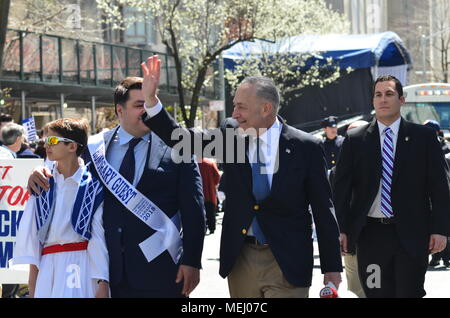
[(428, 101)]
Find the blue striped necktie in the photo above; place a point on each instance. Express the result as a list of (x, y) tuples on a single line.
[(387, 171)]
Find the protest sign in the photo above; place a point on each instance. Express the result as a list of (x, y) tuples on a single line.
[(14, 175)]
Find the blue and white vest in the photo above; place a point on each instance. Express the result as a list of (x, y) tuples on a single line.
[(88, 199)]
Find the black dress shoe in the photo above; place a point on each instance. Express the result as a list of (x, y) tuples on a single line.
[(434, 263)]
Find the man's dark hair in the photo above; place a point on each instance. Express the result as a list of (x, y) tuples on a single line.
[(121, 93), (75, 129), (388, 78), (5, 118)]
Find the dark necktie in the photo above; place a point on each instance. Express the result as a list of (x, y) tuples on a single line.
[(128, 166), (261, 189), (387, 172)]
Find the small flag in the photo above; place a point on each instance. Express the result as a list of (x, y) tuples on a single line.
[(30, 128)]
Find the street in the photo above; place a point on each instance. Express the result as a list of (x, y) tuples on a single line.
[(213, 286)]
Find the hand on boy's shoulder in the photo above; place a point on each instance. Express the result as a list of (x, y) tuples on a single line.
[(39, 180)]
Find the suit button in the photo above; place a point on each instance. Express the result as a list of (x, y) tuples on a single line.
[(244, 231), (119, 230), (256, 207)]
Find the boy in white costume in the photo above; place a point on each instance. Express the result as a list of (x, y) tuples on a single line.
[(61, 233)]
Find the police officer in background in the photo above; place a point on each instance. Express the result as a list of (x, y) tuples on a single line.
[(332, 142)]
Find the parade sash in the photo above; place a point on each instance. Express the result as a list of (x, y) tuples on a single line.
[(167, 236), (45, 206), (89, 197)]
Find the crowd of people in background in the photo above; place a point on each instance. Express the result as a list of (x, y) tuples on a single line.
[(14, 143)]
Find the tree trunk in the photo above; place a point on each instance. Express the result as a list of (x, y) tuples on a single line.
[(173, 49), (179, 71), (196, 93)]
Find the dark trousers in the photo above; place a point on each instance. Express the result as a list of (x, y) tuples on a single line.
[(385, 269), (211, 210), (124, 290)]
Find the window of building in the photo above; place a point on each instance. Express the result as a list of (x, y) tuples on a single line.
[(141, 30)]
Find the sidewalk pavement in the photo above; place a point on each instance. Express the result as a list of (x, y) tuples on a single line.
[(213, 286)]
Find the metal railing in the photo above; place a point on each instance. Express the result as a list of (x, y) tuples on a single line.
[(44, 58)]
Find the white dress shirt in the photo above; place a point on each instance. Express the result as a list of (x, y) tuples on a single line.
[(375, 210), (153, 111)]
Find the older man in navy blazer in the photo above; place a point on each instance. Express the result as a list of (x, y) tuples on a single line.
[(266, 244)]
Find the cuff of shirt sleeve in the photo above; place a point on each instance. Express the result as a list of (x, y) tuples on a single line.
[(153, 111), (97, 277), (20, 260)]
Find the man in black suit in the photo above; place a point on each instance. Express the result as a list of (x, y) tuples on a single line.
[(266, 244), (392, 197)]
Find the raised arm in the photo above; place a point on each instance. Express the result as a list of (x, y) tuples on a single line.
[(152, 73), (162, 124)]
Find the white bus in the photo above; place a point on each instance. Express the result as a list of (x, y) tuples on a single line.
[(428, 101)]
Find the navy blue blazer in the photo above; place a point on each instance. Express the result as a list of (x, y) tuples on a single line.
[(172, 187), (284, 215)]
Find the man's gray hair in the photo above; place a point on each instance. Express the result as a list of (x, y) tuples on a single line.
[(266, 90), (10, 133)]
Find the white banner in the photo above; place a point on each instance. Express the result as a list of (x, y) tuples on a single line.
[(14, 175)]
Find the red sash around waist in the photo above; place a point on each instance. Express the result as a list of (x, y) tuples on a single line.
[(69, 247)]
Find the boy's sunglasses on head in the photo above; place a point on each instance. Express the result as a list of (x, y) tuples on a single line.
[(54, 140)]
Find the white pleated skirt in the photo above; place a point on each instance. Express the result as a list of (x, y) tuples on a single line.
[(65, 275)]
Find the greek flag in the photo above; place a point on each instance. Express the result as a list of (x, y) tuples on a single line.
[(30, 128)]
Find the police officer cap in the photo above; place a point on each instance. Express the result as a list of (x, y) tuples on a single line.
[(433, 124), (330, 122)]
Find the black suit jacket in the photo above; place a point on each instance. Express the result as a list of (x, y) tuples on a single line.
[(173, 188), (284, 215), (420, 191)]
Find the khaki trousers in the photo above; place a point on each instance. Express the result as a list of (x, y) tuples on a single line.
[(351, 272), (256, 274)]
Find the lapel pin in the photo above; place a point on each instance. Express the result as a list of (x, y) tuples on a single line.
[(406, 138), (288, 150)]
